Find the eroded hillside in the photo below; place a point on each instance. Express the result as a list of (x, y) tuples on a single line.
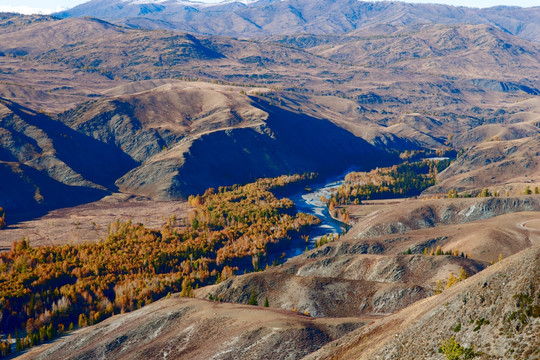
[(121, 124), (182, 328), (496, 313)]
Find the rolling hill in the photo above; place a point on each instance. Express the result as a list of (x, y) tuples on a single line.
[(240, 120), (120, 110), (481, 319), (365, 298)]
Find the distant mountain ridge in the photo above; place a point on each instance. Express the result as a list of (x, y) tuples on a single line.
[(275, 17)]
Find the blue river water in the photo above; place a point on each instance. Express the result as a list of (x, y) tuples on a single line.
[(309, 202)]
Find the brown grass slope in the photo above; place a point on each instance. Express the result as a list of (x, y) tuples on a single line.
[(414, 214), (198, 329), (191, 136), (484, 240), (500, 165), (33, 38), (144, 123), (482, 305), (367, 278), (344, 279), (95, 46), (403, 101), (169, 130), (111, 52), (482, 228), (472, 51), (366, 272)]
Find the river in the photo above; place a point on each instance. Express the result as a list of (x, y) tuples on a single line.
[(310, 202)]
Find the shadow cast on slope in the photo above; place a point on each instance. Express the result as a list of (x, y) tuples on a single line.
[(27, 193), (96, 161), (288, 143)]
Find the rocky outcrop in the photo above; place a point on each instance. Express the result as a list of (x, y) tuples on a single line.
[(496, 312)]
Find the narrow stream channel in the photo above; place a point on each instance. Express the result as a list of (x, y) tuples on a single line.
[(310, 202)]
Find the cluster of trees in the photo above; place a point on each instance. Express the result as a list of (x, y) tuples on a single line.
[(485, 192), (342, 214), (438, 251), (408, 179), (45, 290), (451, 281), (325, 239), (418, 155)]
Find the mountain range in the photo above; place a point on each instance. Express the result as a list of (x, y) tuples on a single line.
[(149, 96), (278, 17), (130, 110)]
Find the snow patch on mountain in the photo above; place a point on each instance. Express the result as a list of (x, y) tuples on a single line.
[(28, 10), (187, 2)]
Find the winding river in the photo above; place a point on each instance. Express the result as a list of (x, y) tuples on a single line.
[(310, 202)]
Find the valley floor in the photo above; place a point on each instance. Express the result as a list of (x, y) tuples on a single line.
[(90, 222), (364, 296)]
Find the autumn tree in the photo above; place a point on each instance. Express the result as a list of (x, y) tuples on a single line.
[(44, 288), (2, 218), (187, 288), (83, 320)]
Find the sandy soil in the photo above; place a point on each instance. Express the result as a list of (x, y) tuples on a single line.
[(89, 222)]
